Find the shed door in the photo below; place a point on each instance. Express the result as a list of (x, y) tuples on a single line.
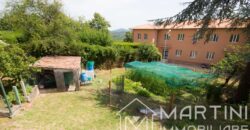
[(68, 78)]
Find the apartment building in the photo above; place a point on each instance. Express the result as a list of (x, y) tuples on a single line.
[(179, 44)]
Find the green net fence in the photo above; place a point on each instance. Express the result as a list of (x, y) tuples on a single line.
[(174, 76)]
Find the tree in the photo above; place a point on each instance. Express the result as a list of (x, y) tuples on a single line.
[(37, 20), (233, 64), (14, 63), (203, 12), (128, 37), (99, 22), (148, 53)]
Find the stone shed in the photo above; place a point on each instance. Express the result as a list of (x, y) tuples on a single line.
[(66, 70)]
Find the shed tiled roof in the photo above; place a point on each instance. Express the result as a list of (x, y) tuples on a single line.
[(189, 25), (59, 62)]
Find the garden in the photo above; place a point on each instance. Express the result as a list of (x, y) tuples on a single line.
[(124, 71)]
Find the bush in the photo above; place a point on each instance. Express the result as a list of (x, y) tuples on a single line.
[(148, 53), (118, 53), (12, 97), (155, 85), (143, 92), (131, 86), (29, 89)]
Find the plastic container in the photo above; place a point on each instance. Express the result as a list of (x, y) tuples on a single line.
[(90, 73), (89, 78), (90, 65), (84, 77)]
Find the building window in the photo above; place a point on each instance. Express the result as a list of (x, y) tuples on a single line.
[(165, 53), (139, 36), (181, 37), (193, 54), (178, 53), (166, 37), (210, 55), (214, 38), (145, 36), (234, 38), (195, 38)]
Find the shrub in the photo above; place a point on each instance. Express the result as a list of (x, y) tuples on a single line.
[(148, 53), (29, 89), (118, 53), (143, 92), (12, 97), (132, 86), (153, 84)]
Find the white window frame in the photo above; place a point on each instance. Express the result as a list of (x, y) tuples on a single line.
[(210, 55), (195, 38), (145, 36), (139, 36), (180, 37), (193, 54), (178, 53), (166, 36), (214, 38), (234, 38)]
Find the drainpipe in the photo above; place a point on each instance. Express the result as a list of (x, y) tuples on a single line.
[(165, 43)]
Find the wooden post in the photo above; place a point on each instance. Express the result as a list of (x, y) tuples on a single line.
[(110, 81), (123, 83), (109, 92), (171, 102), (18, 101), (5, 98)]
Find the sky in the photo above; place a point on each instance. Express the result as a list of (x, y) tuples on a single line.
[(121, 13)]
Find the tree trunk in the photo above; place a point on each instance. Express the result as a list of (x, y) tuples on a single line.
[(242, 94), (229, 77)]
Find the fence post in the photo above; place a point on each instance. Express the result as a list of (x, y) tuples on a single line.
[(123, 83), (16, 95), (24, 90), (5, 98)]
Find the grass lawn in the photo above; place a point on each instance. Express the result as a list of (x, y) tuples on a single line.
[(88, 108), (83, 109)]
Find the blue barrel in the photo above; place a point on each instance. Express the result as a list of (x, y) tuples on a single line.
[(90, 65), (84, 77)]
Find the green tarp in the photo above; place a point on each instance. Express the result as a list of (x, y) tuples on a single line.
[(174, 75)]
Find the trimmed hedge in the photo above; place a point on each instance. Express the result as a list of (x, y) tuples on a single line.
[(118, 54)]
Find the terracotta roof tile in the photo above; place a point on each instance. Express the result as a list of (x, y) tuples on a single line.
[(59, 62), (189, 25)]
